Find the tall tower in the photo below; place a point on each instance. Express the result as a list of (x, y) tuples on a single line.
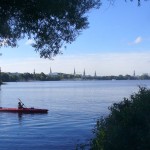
[(134, 73), (50, 72), (95, 74), (34, 72), (84, 73), (74, 72), (34, 76)]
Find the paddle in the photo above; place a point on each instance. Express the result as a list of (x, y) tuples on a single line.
[(22, 102)]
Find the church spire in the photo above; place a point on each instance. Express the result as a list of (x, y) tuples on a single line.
[(84, 73), (74, 72), (134, 73), (50, 71), (95, 74)]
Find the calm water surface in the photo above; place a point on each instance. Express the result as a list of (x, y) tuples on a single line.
[(73, 107)]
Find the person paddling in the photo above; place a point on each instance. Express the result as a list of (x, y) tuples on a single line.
[(20, 105)]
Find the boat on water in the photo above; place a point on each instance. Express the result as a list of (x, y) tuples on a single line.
[(23, 110)]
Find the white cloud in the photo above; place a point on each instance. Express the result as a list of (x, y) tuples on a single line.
[(30, 42), (138, 40)]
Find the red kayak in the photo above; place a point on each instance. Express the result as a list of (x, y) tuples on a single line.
[(23, 110)]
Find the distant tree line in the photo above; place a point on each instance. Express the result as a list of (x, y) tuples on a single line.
[(119, 77), (16, 77)]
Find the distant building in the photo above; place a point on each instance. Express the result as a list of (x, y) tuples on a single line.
[(74, 72), (134, 73), (84, 73), (50, 72), (15, 73), (34, 76), (95, 74), (53, 74), (34, 72)]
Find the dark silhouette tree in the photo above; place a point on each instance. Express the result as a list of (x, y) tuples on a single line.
[(50, 23), (127, 127)]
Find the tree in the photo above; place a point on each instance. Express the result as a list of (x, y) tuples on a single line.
[(144, 76), (51, 23), (127, 127), (4, 77), (42, 76)]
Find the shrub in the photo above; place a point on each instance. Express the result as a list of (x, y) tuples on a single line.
[(127, 127)]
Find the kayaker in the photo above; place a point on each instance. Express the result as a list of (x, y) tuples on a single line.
[(20, 105)]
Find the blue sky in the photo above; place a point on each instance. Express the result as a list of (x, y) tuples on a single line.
[(116, 42)]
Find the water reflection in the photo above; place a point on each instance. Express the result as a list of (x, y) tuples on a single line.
[(20, 117), (28, 116)]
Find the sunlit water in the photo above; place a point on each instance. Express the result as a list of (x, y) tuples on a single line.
[(73, 108)]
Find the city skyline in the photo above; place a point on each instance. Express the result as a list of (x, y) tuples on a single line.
[(84, 73)]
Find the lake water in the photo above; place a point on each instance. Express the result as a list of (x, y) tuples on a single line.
[(73, 107)]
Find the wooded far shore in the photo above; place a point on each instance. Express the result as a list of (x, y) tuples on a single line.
[(16, 77)]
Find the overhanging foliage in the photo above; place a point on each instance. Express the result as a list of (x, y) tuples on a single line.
[(51, 23)]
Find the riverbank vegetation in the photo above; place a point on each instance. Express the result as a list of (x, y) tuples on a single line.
[(16, 77), (127, 127)]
